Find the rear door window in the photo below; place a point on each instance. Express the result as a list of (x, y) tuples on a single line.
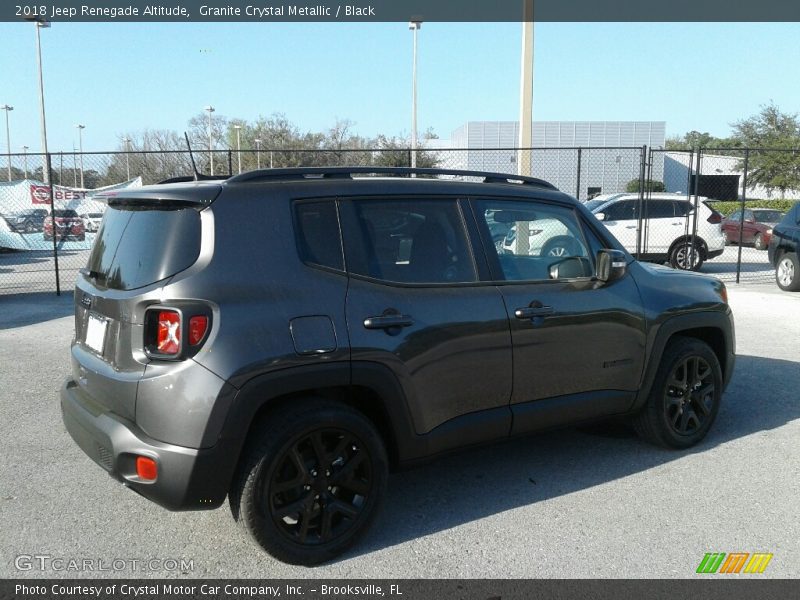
[(137, 246), (420, 241)]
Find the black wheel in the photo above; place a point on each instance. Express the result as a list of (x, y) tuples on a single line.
[(561, 246), (758, 242), (683, 256), (685, 396), (311, 482), (787, 272)]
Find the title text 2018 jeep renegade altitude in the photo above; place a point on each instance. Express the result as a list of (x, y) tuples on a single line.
[(283, 338)]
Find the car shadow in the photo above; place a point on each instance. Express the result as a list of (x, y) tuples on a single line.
[(19, 310), (474, 484)]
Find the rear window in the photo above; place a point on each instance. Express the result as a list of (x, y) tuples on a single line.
[(138, 246)]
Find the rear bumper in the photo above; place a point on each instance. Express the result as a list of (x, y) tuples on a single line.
[(188, 478), (715, 253)]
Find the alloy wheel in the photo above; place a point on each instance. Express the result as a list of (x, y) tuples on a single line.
[(687, 258), (785, 272), (689, 396), (319, 489)]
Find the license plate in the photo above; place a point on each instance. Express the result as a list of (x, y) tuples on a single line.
[(96, 333)]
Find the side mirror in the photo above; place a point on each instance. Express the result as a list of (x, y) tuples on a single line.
[(611, 265), (600, 216)]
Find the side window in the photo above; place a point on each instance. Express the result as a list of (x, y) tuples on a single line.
[(748, 216), (659, 209), (736, 215), (317, 235), (542, 242), (407, 241), (624, 210)]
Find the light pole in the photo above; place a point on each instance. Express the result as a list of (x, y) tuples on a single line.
[(258, 153), (41, 23), (238, 129), (414, 26), (25, 160), (8, 109), (80, 147), (210, 110), (127, 141)]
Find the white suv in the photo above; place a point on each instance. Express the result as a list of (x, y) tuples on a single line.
[(667, 222)]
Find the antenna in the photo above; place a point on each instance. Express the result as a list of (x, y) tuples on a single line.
[(191, 157)]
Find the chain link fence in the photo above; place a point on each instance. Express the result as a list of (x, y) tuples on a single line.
[(48, 218)]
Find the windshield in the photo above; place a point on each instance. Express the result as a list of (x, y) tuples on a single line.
[(767, 216), (593, 204)]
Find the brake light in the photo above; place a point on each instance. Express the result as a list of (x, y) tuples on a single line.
[(197, 329), (168, 340), (715, 217)]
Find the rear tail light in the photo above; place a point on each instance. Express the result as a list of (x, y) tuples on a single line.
[(197, 329), (168, 339), (176, 332), (715, 217)]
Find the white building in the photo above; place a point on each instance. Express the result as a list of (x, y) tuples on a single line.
[(609, 155)]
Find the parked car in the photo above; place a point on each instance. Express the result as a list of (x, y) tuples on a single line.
[(784, 248), (26, 221), (68, 225), (285, 337), (756, 229), (668, 227), (91, 221)]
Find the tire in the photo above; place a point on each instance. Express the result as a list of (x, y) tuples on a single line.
[(680, 256), (310, 482), (758, 242), (560, 246), (684, 398), (787, 272)]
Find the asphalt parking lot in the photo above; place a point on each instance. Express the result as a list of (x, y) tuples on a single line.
[(590, 502)]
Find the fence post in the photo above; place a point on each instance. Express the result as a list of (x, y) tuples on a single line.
[(698, 169), (578, 179), (640, 203), (230, 163), (741, 214), (48, 164)]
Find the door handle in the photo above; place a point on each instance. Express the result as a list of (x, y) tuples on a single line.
[(529, 312), (388, 321)]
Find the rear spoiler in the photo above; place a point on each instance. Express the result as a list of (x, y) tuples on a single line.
[(198, 195)]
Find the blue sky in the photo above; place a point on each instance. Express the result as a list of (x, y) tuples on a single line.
[(123, 77)]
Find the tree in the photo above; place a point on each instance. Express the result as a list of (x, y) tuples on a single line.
[(775, 136), (695, 139), (396, 153), (652, 186)]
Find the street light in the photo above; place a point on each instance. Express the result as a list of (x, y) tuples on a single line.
[(41, 23), (415, 27), (25, 160), (238, 129), (80, 147), (210, 110), (258, 153), (127, 141), (8, 109)]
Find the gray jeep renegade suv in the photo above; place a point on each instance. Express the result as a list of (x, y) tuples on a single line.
[(283, 338)]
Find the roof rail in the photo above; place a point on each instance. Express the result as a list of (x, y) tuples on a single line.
[(348, 172), (199, 177)]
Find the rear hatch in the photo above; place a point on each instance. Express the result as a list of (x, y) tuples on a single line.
[(144, 240)]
